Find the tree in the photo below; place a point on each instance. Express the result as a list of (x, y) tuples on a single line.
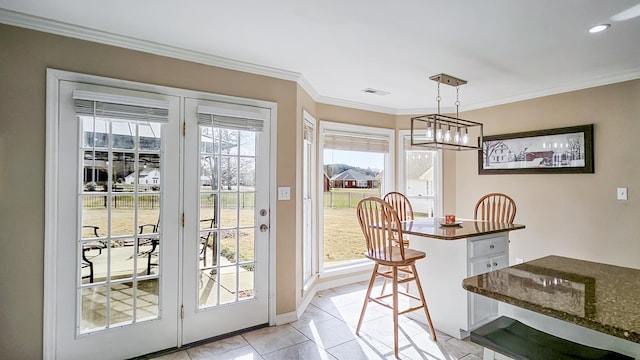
[(489, 148)]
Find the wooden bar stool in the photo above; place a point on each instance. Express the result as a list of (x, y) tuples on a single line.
[(379, 223), (401, 204), (496, 207)]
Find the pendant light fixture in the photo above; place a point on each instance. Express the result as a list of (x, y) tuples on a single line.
[(437, 131)]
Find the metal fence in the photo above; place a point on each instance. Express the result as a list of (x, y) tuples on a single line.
[(227, 201), (345, 199)]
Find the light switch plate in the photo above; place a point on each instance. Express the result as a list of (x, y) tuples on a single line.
[(622, 193), (284, 193)]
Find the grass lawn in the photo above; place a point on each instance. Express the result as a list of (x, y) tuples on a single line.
[(342, 236)]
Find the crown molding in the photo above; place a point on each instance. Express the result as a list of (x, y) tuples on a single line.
[(83, 33), (591, 83)]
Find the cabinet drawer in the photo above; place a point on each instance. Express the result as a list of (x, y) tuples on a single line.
[(484, 265), (488, 247)]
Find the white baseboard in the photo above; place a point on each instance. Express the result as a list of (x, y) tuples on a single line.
[(286, 318)]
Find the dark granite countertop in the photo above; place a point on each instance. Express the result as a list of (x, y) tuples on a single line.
[(431, 227), (602, 297)]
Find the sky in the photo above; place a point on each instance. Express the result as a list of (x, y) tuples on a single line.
[(354, 158)]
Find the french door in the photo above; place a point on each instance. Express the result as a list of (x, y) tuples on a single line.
[(117, 222), (161, 221), (226, 218)]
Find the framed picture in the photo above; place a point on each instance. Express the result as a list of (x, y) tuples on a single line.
[(551, 151)]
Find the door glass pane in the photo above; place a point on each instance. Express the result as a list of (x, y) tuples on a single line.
[(121, 304), (229, 173), (247, 248), (209, 170), (228, 141), (95, 132), (228, 283), (147, 299), (123, 135), (247, 208), (122, 215), (149, 172), (227, 216), (229, 210), (149, 136), (94, 308), (119, 247), (247, 143)]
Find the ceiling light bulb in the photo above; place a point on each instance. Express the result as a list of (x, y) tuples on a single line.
[(456, 137), (465, 137), (598, 28), (429, 133), (439, 134), (447, 136)]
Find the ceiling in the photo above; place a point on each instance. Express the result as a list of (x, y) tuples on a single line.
[(507, 50)]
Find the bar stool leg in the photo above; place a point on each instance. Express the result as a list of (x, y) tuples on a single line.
[(366, 298), (424, 302), (395, 311)]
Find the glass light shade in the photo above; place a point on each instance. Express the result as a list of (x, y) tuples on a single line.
[(456, 137), (439, 134), (429, 133), (447, 136)]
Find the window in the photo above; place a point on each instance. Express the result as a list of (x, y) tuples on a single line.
[(309, 243), (420, 172), (357, 162)]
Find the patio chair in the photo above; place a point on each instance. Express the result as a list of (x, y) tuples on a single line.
[(208, 238), (153, 240), (87, 247)]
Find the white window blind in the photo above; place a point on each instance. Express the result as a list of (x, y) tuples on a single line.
[(119, 107), (408, 147), (341, 140), (308, 132), (231, 119)]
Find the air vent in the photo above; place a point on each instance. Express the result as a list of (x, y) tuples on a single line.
[(375, 91)]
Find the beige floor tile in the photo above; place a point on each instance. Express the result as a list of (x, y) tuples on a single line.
[(178, 355), (270, 339), (326, 331), (206, 351), (307, 350), (329, 333)]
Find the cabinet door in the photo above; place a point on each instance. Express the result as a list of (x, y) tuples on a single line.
[(482, 308)]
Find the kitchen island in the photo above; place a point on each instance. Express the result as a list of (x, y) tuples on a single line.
[(566, 297), (455, 252)]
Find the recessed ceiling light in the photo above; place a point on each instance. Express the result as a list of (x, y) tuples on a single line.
[(599, 28)]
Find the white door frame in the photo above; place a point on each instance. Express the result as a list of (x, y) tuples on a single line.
[(51, 185)]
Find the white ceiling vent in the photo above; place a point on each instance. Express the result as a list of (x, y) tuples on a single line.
[(375, 91)]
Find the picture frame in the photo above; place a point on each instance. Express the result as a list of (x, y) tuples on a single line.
[(567, 150)]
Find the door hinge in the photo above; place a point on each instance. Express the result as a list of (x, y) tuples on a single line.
[(182, 312), (184, 128), (182, 219)]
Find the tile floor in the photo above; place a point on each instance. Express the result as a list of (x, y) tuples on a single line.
[(326, 330)]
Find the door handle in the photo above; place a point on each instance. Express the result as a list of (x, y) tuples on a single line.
[(264, 227)]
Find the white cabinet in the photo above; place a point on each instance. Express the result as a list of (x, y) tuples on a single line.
[(453, 310), (485, 255)]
